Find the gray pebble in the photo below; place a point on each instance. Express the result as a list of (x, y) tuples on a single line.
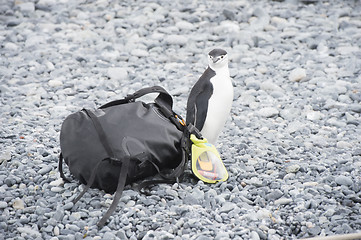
[(45, 170), (274, 195), (3, 205), (268, 112), (68, 206), (29, 231), (227, 207), (343, 180)]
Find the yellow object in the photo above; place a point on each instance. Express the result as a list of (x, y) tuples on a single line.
[(206, 162)]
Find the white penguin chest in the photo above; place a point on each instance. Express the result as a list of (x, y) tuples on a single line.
[(219, 107), (222, 97)]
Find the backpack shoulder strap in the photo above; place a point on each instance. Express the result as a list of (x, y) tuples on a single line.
[(60, 168), (175, 173)]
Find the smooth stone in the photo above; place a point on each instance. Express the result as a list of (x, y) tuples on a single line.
[(251, 83), (343, 144), (139, 53), (5, 156), (58, 215), (279, 21), (314, 115), (346, 50), (283, 201), (57, 183), (184, 25), (11, 46), (270, 86), (117, 73), (357, 152), (24, 219), (18, 204), (262, 214), (68, 205), (343, 180), (55, 83), (290, 113), (350, 119), (255, 181), (3, 205), (268, 112), (176, 40), (337, 123), (355, 108), (56, 231), (57, 189), (27, 7), (275, 194), (45, 170), (109, 235), (254, 236), (293, 168), (227, 207), (297, 74), (29, 231), (96, 213), (295, 126)]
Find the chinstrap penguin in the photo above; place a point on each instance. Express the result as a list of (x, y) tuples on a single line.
[(210, 100)]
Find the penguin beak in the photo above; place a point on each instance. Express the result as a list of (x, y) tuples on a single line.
[(216, 59)]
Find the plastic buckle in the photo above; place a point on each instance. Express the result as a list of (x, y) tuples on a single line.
[(193, 130)]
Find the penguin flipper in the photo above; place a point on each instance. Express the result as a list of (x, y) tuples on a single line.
[(197, 105), (201, 106)]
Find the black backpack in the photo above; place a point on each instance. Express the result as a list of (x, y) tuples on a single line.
[(124, 141)]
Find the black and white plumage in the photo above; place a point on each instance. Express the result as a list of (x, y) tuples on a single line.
[(210, 100)]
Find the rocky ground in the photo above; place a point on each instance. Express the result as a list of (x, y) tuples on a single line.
[(291, 146)]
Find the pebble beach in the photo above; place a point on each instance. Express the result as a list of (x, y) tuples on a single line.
[(292, 144)]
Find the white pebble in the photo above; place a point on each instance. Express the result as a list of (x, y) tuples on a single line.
[(27, 7), (56, 189), (270, 86), (11, 46), (297, 74), (50, 66), (184, 25), (29, 231), (96, 213), (56, 231), (176, 40), (310, 184), (55, 83), (343, 144), (18, 204), (139, 53), (279, 21), (117, 73), (283, 201), (3, 205), (57, 182), (293, 168), (314, 115), (268, 112)]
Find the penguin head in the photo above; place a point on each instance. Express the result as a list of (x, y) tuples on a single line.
[(217, 58)]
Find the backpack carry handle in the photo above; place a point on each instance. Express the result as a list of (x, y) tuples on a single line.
[(164, 97)]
